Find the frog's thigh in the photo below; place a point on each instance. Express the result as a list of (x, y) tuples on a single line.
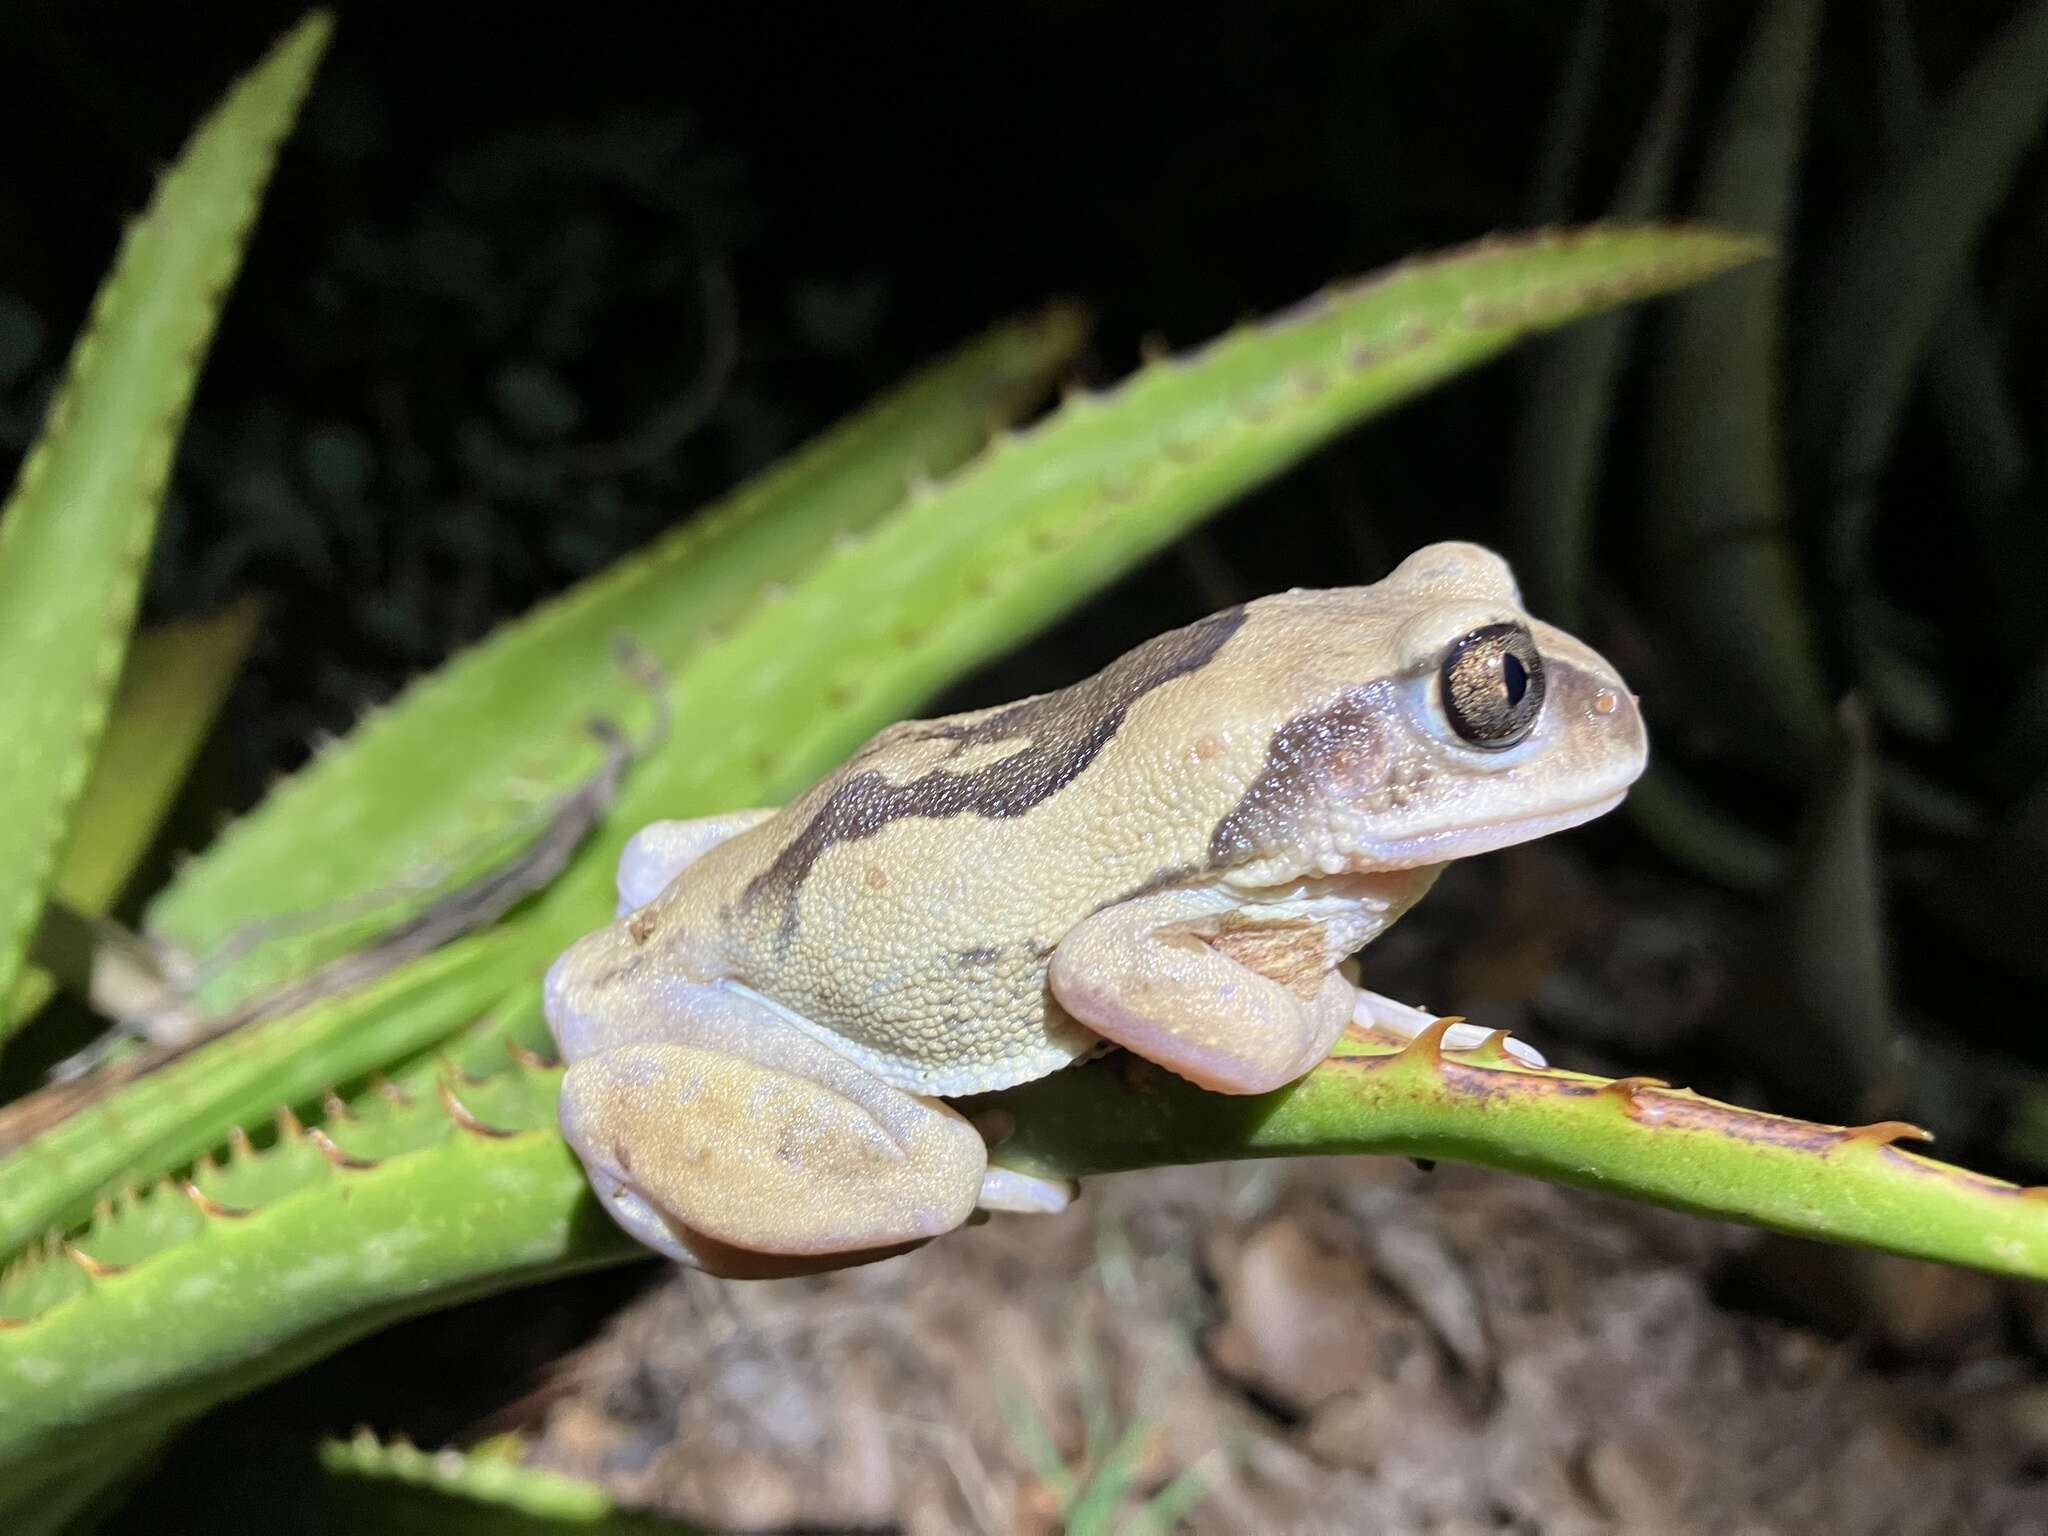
[(743, 1129), (661, 850), (1136, 974)]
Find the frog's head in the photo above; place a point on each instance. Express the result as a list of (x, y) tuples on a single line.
[(1440, 720)]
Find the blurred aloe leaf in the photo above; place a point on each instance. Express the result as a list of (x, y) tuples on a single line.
[(394, 1487), (76, 531), (1988, 448), (1568, 403), (1994, 890), (1842, 1043), (1717, 470), (176, 678), (402, 812), (1901, 261), (1569, 123), (1700, 835)]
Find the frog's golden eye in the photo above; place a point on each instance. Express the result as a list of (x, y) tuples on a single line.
[(1493, 685)]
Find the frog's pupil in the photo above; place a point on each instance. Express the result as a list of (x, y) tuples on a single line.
[(1516, 676)]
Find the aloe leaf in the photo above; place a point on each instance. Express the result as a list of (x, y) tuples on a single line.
[(1993, 891), (393, 800), (801, 674), (1569, 399), (1632, 1136), (395, 1487), (76, 531), (1691, 829), (1569, 123), (240, 1316), (1843, 1035), (1105, 480), (1027, 529), (1903, 254), (175, 681), (1716, 457), (1988, 450), (180, 1298), (69, 1142)]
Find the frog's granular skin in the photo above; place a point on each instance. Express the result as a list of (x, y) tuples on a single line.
[(1335, 1346)]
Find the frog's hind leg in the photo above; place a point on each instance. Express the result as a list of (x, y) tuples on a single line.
[(661, 850), (724, 1132)]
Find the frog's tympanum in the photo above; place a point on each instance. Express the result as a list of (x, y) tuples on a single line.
[(1178, 856)]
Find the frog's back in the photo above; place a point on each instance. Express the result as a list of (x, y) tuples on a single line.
[(909, 904)]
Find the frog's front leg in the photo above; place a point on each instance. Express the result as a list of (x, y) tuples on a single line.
[(1170, 977), (716, 1131)]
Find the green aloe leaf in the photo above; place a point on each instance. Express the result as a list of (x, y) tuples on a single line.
[(801, 674), (1717, 467), (177, 678), (182, 1297), (971, 564), (395, 1488), (66, 1144), (393, 810), (77, 529)]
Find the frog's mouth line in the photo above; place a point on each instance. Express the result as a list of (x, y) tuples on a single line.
[(1462, 842)]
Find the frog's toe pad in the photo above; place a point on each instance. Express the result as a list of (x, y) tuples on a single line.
[(1469, 1037), (1005, 1189)]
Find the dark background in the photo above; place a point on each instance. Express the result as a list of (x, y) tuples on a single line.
[(535, 283), (499, 234)]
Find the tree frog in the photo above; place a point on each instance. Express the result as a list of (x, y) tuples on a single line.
[(1179, 856)]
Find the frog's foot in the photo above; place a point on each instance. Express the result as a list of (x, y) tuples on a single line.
[(1005, 1189), (717, 1132), (1405, 1022), (661, 850), (1143, 974)]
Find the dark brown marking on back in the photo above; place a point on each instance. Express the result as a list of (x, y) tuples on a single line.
[(1303, 754), (1061, 734)]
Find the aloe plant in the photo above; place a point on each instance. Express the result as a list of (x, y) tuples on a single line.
[(411, 1158), (1783, 493)]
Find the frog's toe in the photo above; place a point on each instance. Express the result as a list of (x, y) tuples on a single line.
[(1005, 1189), (1469, 1037)]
